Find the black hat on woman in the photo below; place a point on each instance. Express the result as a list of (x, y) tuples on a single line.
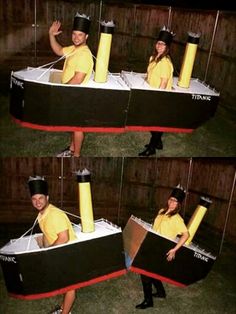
[(166, 36), (178, 193)]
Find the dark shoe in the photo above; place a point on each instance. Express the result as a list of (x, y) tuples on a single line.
[(145, 304), (159, 145), (158, 295), (148, 152)]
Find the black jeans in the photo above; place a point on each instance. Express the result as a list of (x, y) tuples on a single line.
[(147, 283), (155, 139)]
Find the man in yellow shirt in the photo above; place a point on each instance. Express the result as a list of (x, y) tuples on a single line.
[(77, 68), (55, 226)]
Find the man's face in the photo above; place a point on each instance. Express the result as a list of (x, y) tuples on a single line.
[(79, 38), (39, 201)]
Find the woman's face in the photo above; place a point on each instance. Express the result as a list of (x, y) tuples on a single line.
[(172, 203), (160, 47)]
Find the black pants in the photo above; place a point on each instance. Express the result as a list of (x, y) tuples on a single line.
[(155, 139), (147, 283)]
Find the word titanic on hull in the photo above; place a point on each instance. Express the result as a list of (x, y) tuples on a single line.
[(146, 251), (33, 273), (124, 103)]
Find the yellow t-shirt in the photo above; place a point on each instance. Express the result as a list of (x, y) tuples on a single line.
[(54, 221), (169, 226), (161, 69), (80, 60)]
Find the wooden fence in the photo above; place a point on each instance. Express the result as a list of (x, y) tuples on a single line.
[(123, 186), (24, 36)]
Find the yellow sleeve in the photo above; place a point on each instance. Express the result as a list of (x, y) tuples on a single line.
[(180, 225)]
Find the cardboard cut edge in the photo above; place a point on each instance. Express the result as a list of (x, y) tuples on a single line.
[(156, 276)]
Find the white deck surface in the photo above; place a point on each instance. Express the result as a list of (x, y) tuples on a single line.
[(116, 81), (41, 76), (137, 81), (27, 244)]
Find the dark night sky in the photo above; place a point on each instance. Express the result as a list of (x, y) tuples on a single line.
[(226, 5)]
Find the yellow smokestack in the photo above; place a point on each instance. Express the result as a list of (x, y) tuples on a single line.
[(85, 200), (188, 61), (197, 217), (103, 54)]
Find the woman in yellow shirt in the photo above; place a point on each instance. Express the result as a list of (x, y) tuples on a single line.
[(159, 75), (167, 223)]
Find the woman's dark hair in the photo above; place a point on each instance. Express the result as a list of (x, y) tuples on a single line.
[(165, 209)]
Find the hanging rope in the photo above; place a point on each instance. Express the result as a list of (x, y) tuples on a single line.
[(52, 63), (228, 211), (30, 237), (37, 221)]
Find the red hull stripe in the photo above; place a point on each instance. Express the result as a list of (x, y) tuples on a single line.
[(65, 128), (156, 276), (72, 287), (100, 129), (157, 128)]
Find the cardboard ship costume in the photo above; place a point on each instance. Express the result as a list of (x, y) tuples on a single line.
[(96, 255), (188, 61), (72, 265), (109, 102), (146, 251), (103, 54)]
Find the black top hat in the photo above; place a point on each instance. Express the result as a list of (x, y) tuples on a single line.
[(166, 36), (178, 193), (81, 23), (38, 185)]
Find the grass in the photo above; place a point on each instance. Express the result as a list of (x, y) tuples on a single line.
[(216, 294), (216, 138)]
